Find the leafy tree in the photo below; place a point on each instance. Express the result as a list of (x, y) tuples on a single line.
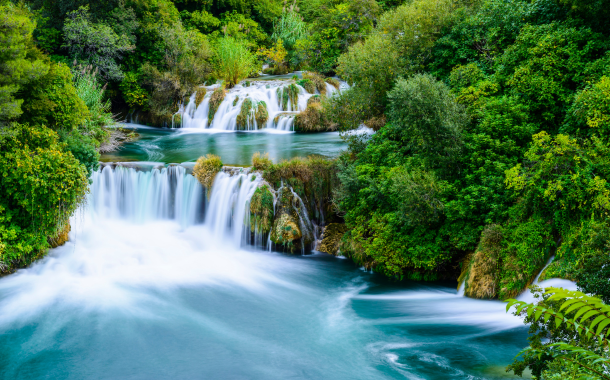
[(20, 63), (95, 43), (234, 61)]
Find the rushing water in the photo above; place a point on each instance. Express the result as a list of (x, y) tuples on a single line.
[(176, 145), (156, 282)]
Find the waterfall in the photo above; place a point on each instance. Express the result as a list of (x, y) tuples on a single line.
[(141, 193), (225, 118), (229, 211)]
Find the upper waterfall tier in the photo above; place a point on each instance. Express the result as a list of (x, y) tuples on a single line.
[(279, 101)]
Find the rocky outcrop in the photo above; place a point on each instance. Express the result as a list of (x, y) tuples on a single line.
[(331, 238), (61, 238), (481, 268)]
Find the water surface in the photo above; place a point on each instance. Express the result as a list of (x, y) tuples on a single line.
[(234, 148)]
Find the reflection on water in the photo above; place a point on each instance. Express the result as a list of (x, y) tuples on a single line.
[(234, 148)]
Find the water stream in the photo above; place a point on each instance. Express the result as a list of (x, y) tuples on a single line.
[(157, 282)]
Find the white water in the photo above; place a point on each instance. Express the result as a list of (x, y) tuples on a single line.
[(196, 117), (156, 290)]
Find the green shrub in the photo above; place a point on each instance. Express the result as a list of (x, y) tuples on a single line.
[(234, 61), (261, 162), (206, 168)]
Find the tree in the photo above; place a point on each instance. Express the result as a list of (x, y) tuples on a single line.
[(95, 43), (234, 61), (20, 62)]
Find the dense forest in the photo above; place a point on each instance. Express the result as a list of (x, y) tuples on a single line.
[(491, 151)]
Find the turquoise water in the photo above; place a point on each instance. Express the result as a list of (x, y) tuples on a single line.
[(234, 148), (140, 294)]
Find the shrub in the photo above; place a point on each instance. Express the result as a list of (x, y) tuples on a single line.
[(42, 185), (234, 61), (261, 162), (312, 119), (206, 168)]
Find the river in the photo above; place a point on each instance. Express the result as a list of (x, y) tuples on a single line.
[(156, 282)]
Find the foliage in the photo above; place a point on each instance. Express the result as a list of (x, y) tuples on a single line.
[(54, 101), (590, 112), (20, 63), (133, 94), (261, 161), (234, 61), (215, 100), (568, 334), (41, 187), (289, 28), (261, 210), (95, 43), (205, 170), (276, 55)]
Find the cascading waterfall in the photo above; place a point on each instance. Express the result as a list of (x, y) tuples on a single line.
[(143, 194), (225, 119)]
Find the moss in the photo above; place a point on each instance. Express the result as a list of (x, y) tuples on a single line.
[(288, 93), (215, 100), (333, 82), (317, 80), (482, 278), (206, 168), (332, 237), (308, 85), (245, 118), (314, 99), (235, 101), (261, 114), (261, 210), (285, 230), (199, 95), (61, 238)]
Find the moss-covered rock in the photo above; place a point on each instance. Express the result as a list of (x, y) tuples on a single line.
[(288, 93), (199, 95), (481, 276), (312, 119), (285, 230), (261, 210), (333, 82), (206, 168), (215, 100), (245, 118), (317, 80), (308, 85), (261, 114), (331, 238), (236, 100), (61, 238)]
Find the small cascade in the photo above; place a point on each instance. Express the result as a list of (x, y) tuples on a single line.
[(229, 211), (145, 195), (269, 93)]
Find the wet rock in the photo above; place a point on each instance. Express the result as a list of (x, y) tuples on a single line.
[(61, 238), (331, 238)]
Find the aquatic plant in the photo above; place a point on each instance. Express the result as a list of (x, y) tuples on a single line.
[(206, 168)]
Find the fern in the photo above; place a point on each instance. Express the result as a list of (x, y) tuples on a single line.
[(587, 316)]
